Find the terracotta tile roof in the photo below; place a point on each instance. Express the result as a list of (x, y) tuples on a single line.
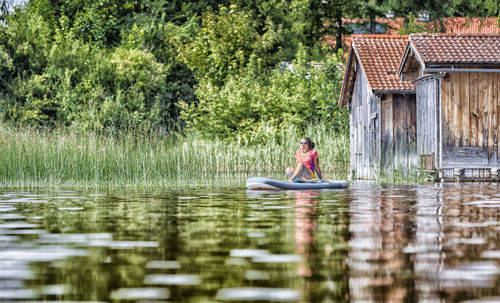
[(457, 48), (463, 25), (380, 55)]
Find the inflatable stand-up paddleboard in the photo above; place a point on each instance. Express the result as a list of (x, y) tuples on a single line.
[(258, 183)]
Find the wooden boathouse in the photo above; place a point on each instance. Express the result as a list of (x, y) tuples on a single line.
[(457, 80), (382, 106), (424, 101)]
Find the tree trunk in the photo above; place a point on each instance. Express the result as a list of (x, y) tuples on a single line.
[(373, 23), (340, 32)]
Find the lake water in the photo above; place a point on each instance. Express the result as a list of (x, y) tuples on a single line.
[(429, 243)]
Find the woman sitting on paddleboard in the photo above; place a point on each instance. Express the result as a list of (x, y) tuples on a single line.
[(307, 163)]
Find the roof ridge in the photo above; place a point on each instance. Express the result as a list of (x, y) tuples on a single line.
[(470, 18), (491, 18), (379, 36), (454, 35)]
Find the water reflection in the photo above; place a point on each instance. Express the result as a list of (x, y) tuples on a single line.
[(305, 228), (140, 294), (369, 243), (258, 294), (305, 238), (380, 226), (423, 244)]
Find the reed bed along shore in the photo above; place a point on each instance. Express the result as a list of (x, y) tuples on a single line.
[(69, 159)]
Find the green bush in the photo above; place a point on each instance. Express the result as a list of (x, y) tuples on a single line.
[(248, 106), (50, 76), (91, 87), (132, 71), (227, 42)]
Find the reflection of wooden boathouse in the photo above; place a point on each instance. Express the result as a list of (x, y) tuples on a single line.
[(455, 113)]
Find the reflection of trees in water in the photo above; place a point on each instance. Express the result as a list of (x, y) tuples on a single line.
[(132, 217), (364, 244)]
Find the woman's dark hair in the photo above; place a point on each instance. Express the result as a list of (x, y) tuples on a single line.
[(309, 142)]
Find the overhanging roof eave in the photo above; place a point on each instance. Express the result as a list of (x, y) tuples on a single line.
[(346, 74), (456, 64), (395, 91)]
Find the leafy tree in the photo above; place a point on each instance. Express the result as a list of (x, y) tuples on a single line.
[(226, 43), (248, 105), (476, 8), (340, 9), (427, 10), (372, 9), (120, 74), (152, 33), (412, 26), (307, 19), (4, 8)]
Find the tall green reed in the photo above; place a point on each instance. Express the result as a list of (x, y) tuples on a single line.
[(400, 166), (67, 158)]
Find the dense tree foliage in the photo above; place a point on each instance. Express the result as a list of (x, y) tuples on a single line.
[(214, 64), (228, 42), (473, 8), (108, 64), (251, 104)]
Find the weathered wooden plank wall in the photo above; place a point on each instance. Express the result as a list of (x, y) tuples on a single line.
[(387, 128), (474, 109), (365, 137), (496, 80), (427, 123), (398, 130), (471, 107), (357, 125), (405, 133), (374, 130)]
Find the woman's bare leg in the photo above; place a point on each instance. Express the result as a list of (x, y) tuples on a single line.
[(298, 171)]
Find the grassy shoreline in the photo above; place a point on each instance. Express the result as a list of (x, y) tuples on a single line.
[(69, 159)]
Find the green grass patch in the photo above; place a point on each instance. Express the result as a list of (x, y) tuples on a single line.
[(70, 159)]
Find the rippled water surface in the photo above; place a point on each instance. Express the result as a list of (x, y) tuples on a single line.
[(430, 243)]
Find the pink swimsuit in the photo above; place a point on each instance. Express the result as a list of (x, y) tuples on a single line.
[(307, 159)]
